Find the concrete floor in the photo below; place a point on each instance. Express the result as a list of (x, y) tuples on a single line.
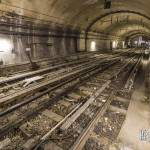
[(138, 118)]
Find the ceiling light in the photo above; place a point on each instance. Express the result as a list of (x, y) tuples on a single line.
[(93, 46), (5, 45)]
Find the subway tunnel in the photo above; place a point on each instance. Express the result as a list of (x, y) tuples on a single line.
[(74, 75)]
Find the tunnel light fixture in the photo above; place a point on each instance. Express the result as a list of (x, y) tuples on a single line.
[(135, 42), (123, 44), (5, 45), (107, 4), (114, 44), (93, 46)]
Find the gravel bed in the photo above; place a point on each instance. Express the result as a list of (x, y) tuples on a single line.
[(92, 144), (61, 110), (17, 141), (109, 126), (64, 139), (39, 125), (119, 104)]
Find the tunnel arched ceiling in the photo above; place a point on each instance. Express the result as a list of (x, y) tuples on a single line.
[(136, 32), (138, 35), (108, 23), (119, 23), (121, 30), (82, 13)]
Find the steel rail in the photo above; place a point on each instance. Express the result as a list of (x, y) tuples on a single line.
[(60, 82), (78, 145), (14, 124), (23, 92), (30, 74), (41, 71), (44, 138)]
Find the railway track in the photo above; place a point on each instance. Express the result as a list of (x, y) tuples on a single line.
[(53, 66), (45, 72), (103, 130), (77, 128), (49, 73), (50, 68), (11, 70), (64, 80), (23, 126), (15, 91), (48, 80)]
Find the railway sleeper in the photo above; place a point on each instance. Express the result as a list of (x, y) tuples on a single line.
[(122, 99), (116, 109), (52, 115), (30, 143)]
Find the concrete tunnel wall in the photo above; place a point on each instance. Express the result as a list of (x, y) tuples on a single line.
[(48, 46), (46, 41), (60, 47), (100, 44), (60, 16)]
